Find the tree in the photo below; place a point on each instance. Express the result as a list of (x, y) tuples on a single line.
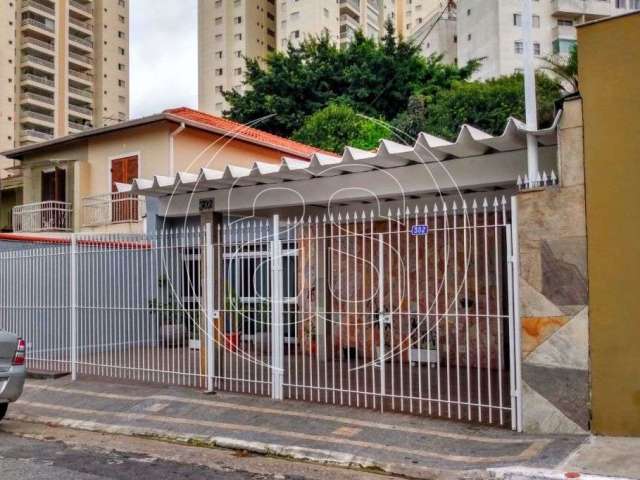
[(565, 69), (337, 126), (376, 78), (486, 105)]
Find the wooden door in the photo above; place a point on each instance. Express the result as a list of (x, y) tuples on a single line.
[(53, 188), (124, 206)]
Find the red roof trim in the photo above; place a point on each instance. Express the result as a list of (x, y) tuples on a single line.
[(243, 132), (64, 241)]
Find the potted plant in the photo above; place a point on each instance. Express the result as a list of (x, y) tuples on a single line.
[(171, 319), (310, 337), (424, 351)]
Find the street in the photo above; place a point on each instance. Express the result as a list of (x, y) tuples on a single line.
[(30, 451)]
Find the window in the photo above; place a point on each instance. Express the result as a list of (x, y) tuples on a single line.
[(536, 48), (121, 18), (621, 3), (519, 47), (248, 269), (565, 23), (122, 3), (122, 83), (121, 35), (122, 67)]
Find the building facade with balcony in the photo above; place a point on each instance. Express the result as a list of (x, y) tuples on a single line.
[(492, 29), (70, 183), (66, 70)]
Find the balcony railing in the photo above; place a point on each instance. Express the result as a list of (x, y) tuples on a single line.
[(39, 6), (80, 127), (82, 41), (39, 79), (112, 208), (35, 41), (38, 98), (40, 116), (50, 216), (79, 91), (85, 7), (81, 58), (39, 61), (81, 23), (79, 109), (37, 134), (36, 23)]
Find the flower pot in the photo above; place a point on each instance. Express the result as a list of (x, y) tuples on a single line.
[(173, 335)]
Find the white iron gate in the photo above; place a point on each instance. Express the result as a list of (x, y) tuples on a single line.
[(410, 311)]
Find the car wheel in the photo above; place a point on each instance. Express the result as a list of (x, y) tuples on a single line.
[(3, 410)]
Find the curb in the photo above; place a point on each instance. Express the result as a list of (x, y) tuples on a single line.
[(322, 457), (525, 473)]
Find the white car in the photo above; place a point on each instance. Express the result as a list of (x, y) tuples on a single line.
[(12, 369)]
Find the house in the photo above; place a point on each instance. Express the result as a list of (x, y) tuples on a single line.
[(69, 183), (382, 279)]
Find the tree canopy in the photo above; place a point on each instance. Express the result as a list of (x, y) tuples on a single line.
[(337, 126), (321, 93), (376, 78), (486, 105)]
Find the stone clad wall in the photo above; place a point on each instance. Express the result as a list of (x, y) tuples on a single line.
[(553, 292)]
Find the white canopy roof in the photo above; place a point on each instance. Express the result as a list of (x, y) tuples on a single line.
[(471, 142)]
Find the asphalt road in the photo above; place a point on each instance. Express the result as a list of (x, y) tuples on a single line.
[(22, 458), (31, 451)]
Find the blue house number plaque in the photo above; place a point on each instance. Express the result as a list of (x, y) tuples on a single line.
[(419, 230)]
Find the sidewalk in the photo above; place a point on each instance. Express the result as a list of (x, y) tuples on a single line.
[(412, 446)]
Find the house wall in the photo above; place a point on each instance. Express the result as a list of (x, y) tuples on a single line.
[(88, 163), (415, 272), (195, 149), (611, 94), (553, 292)]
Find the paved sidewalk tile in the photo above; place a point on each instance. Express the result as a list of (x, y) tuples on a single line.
[(392, 442)]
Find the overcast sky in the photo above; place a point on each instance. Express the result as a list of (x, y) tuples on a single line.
[(164, 59)]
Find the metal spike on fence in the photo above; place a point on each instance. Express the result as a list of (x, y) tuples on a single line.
[(526, 181), (474, 206), (416, 211), (464, 205), (426, 209), (455, 207), (544, 178), (407, 212), (554, 179), (519, 182), (503, 201), (435, 208), (485, 203), (495, 202), (444, 206)]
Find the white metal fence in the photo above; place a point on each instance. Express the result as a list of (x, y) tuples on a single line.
[(408, 311), (112, 208)]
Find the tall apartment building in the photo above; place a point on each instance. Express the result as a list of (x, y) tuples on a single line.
[(493, 29), (229, 31), (64, 67), (298, 19)]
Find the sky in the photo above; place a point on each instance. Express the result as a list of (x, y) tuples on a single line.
[(164, 58)]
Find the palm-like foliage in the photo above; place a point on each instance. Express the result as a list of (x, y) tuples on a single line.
[(565, 69)]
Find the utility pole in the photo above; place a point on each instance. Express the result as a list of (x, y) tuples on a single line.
[(530, 91)]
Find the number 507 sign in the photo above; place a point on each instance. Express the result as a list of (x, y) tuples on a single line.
[(419, 230)]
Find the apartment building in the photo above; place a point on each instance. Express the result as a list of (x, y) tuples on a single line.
[(298, 19), (229, 31), (64, 68), (492, 29)]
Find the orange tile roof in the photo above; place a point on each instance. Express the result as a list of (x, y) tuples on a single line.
[(245, 133)]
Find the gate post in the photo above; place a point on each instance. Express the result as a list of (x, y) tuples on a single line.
[(74, 307), (208, 289), (515, 350), (277, 327)]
